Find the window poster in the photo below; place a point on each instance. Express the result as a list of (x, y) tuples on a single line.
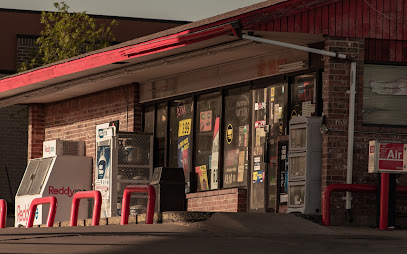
[(104, 169), (240, 168), (230, 177), (214, 162), (256, 161), (182, 154), (276, 113), (308, 108), (206, 121), (184, 127), (272, 92), (202, 177), (258, 176), (229, 134), (232, 157), (260, 124), (244, 135)]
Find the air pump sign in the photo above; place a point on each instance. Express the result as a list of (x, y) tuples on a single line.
[(387, 157)]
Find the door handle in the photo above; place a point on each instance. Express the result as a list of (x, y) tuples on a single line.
[(265, 153)]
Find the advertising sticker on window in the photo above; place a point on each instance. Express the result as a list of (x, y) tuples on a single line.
[(206, 121), (184, 127)]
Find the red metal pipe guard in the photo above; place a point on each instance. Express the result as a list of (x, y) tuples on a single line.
[(384, 201), (326, 202), (126, 202), (51, 213), (97, 205), (3, 213)]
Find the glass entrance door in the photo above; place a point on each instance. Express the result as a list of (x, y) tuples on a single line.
[(269, 110), (277, 148), (259, 158)]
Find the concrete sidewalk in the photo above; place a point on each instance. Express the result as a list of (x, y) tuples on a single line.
[(221, 233)]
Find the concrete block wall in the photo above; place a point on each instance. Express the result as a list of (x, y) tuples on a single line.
[(13, 150), (227, 200)]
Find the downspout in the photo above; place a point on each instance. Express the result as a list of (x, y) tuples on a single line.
[(351, 131), (351, 92)]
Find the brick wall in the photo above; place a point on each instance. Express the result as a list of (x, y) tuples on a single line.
[(36, 130), (227, 200), (335, 141), (76, 118), (13, 150), (26, 48), (336, 109)]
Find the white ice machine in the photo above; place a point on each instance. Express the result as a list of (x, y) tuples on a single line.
[(60, 176)]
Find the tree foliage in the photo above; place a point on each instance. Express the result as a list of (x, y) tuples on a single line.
[(68, 34)]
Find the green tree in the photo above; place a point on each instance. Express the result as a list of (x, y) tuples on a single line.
[(68, 34)]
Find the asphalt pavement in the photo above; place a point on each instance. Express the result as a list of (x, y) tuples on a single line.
[(221, 233)]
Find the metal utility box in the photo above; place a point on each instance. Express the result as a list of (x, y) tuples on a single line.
[(304, 165), (387, 157), (60, 176), (169, 184)]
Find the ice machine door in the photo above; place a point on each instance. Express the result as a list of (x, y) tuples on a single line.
[(40, 175), (34, 177), (28, 177)]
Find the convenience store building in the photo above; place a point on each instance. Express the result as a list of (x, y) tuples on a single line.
[(220, 105)]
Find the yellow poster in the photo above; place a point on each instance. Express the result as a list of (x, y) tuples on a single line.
[(184, 127), (240, 168), (203, 177)]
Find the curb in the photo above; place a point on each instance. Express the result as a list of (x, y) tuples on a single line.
[(159, 218)]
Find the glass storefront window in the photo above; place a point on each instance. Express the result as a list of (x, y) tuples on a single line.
[(303, 96), (236, 143), (206, 140), (160, 135), (149, 119), (181, 113)]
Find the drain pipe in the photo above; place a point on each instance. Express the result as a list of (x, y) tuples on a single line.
[(351, 92), (351, 131)]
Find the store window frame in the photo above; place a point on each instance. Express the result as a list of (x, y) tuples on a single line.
[(318, 91), (253, 84)]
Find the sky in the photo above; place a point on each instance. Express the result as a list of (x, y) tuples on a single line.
[(186, 10)]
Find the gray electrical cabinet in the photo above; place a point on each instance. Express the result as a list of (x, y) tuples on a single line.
[(304, 165)]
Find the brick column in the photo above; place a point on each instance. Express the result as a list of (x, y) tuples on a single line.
[(36, 130), (138, 110), (336, 106)]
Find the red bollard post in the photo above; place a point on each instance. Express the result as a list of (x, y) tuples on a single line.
[(126, 202), (384, 201), (97, 205), (3, 213), (326, 199), (51, 213)]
